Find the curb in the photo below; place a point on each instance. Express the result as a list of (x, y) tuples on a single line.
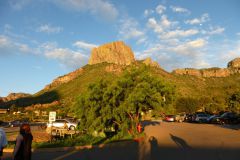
[(60, 149)]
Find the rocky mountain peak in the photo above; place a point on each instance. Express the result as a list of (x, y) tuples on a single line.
[(116, 52), (149, 62), (235, 63)]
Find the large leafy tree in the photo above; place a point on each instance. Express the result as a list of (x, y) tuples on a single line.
[(119, 103), (234, 102), (187, 104)]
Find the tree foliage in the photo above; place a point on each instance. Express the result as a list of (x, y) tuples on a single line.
[(119, 104), (234, 102), (187, 104)]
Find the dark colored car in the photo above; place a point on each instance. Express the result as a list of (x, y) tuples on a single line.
[(189, 118), (214, 119), (18, 123), (229, 118), (201, 117)]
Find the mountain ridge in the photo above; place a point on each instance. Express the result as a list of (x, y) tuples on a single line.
[(64, 90)]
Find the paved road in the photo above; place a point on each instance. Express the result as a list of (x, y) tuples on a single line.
[(171, 141)]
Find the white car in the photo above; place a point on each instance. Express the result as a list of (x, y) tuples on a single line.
[(60, 123)]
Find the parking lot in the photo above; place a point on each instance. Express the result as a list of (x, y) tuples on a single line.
[(164, 140), (193, 141)]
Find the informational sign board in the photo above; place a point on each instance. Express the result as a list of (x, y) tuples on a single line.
[(52, 116)]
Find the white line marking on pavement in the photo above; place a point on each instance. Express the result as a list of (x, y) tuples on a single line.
[(65, 155)]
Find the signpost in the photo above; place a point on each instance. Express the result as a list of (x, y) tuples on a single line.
[(52, 118)]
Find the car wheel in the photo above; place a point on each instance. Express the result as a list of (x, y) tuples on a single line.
[(72, 128)]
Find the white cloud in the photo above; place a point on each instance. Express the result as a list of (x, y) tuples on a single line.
[(230, 52), (179, 33), (165, 22), (141, 40), (216, 30), (238, 34), (129, 29), (204, 18), (4, 41), (69, 58), (197, 43), (148, 12), (97, 8), (161, 26), (9, 46), (19, 4), (160, 9), (46, 28), (47, 46), (180, 10), (84, 45), (190, 48), (152, 23)]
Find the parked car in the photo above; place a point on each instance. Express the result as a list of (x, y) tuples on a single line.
[(18, 123), (229, 118), (189, 118), (4, 124), (60, 123), (180, 117), (201, 117), (213, 119), (170, 118)]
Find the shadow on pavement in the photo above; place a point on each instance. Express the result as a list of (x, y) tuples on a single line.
[(148, 149), (181, 143), (230, 126), (148, 122)]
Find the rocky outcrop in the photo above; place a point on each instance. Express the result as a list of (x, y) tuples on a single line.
[(188, 71), (233, 68), (215, 72), (64, 79), (234, 63), (14, 96), (150, 62), (113, 68), (115, 52)]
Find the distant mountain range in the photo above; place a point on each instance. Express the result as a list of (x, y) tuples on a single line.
[(109, 61)]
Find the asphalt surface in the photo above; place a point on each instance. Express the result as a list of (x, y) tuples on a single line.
[(169, 141)]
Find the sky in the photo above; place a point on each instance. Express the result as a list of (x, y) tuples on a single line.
[(43, 39)]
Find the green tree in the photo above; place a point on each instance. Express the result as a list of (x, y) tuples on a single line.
[(119, 104), (187, 104), (234, 102)]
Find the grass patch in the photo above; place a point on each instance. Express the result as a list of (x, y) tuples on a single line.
[(69, 142), (82, 140)]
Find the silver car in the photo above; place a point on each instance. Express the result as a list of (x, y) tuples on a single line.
[(202, 117), (61, 123)]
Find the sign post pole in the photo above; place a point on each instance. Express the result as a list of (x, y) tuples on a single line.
[(52, 118)]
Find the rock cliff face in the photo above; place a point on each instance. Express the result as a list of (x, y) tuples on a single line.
[(64, 79), (234, 63), (115, 52), (188, 71), (233, 68), (13, 96), (150, 62)]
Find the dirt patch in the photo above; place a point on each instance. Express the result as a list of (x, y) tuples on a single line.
[(38, 136)]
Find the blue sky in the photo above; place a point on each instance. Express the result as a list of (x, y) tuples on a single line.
[(43, 39)]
